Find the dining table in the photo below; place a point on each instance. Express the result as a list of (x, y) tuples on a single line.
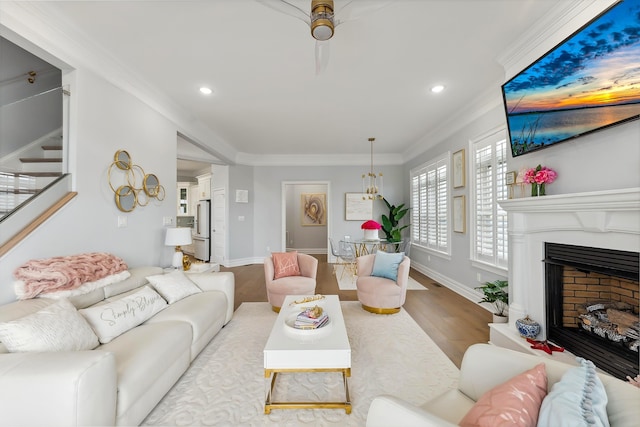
[(369, 246)]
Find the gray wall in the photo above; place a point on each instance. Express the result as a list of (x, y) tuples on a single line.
[(342, 179), (241, 233), (306, 238), (27, 111), (105, 120), (603, 160)]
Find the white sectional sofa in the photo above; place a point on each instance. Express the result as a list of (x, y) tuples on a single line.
[(120, 382)]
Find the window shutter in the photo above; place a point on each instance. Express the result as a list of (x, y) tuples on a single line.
[(430, 205), (490, 220)]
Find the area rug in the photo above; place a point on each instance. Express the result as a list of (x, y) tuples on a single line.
[(225, 385), (347, 281)]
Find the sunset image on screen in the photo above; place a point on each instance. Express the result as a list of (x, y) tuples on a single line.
[(590, 81)]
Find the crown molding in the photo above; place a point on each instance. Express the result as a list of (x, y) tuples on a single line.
[(535, 42), (382, 159), (479, 106), (46, 29), (546, 33)]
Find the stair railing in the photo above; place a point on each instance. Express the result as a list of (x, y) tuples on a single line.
[(29, 215)]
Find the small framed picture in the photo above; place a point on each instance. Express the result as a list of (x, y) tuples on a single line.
[(358, 207), (458, 169), (510, 178), (459, 215)]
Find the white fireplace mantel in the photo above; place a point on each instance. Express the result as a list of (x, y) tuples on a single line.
[(604, 219)]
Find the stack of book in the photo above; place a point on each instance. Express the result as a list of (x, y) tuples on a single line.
[(311, 318)]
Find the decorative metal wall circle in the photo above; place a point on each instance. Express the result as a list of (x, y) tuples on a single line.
[(122, 160), (127, 195), (126, 198)]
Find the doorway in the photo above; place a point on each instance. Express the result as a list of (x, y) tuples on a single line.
[(306, 223)]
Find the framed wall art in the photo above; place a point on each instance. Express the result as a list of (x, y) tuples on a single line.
[(313, 208), (459, 215), (458, 169), (357, 207)]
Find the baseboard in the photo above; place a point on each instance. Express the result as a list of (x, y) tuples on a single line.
[(242, 262), (309, 251), (456, 287)]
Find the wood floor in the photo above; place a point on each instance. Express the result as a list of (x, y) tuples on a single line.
[(452, 321)]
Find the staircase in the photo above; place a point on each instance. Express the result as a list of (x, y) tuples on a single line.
[(25, 175), (33, 187)]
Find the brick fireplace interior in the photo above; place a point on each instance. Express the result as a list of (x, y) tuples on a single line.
[(592, 302)]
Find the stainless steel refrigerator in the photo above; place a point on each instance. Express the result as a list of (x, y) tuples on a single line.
[(202, 231)]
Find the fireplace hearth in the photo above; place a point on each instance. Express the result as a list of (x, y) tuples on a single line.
[(592, 304)]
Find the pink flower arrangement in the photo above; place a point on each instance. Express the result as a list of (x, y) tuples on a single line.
[(370, 225), (540, 175)]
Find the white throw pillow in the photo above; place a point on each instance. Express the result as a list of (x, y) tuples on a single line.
[(57, 327), (173, 286), (117, 317)]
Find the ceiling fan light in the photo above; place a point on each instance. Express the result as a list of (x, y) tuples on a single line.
[(322, 29), (322, 19)]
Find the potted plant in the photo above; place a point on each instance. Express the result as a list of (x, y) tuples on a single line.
[(390, 223), (496, 293)]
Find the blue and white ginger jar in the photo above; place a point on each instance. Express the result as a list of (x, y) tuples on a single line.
[(528, 327)]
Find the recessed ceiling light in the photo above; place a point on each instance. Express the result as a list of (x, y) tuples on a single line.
[(206, 90), (437, 89)]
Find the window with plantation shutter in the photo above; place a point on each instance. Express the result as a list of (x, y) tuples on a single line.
[(429, 205), (489, 223)]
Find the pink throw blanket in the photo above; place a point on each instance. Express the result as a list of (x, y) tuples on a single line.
[(66, 272)]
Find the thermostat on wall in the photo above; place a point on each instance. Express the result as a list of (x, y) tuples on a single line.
[(242, 196)]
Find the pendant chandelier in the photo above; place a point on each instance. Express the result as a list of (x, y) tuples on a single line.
[(371, 183)]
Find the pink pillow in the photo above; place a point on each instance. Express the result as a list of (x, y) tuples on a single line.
[(512, 403), (285, 264)]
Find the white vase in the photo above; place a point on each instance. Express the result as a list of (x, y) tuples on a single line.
[(371, 235), (500, 319)]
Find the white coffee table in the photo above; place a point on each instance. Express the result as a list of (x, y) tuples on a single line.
[(291, 350)]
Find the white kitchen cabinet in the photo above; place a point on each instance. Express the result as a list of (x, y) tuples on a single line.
[(183, 199), (194, 196), (204, 186)]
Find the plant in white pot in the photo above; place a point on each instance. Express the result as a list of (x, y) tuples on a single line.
[(496, 293)]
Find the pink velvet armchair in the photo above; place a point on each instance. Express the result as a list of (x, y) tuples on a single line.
[(304, 284), (378, 294)]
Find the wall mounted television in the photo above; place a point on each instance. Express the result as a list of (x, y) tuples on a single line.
[(588, 82)]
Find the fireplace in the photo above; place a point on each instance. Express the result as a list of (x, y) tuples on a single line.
[(591, 297), (608, 220)]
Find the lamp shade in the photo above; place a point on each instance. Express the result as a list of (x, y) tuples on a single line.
[(178, 236)]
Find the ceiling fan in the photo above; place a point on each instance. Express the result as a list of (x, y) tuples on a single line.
[(322, 18)]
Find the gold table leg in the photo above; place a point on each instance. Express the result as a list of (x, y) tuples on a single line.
[(269, 404)]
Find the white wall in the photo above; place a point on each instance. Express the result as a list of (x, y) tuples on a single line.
[(106, 119), (603, 160)]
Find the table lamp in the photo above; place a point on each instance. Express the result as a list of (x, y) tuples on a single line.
[(176, 237)]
